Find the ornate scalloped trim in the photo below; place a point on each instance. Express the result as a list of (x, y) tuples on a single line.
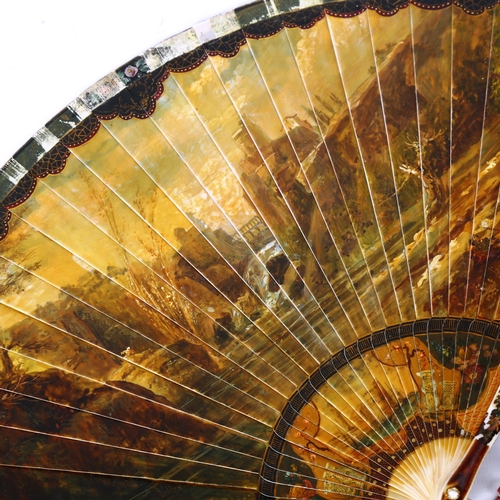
[(226, 46), (82, 132), (138, 100), (293, 21), (5, 216), (52, 163)]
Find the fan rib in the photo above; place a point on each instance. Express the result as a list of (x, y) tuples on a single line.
[(391, 163), (169, 319), (141, 299), (366, 178), (368, 308), (182, 441), (167, 283), (289, 328), (144, 398), (259, 414)]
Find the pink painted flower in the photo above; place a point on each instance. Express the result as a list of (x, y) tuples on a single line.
[(131, 71)]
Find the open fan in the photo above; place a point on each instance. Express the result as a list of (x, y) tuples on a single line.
[(261, 260)]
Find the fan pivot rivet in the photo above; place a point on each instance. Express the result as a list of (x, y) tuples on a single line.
[(452, 493)]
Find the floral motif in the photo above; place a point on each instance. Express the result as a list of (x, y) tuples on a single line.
[(131, 71)]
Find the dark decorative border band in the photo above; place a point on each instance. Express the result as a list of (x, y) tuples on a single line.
[(301, 397), (226, 46), (52, 163), (138, 100)]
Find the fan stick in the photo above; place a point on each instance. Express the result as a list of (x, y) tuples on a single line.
[(316, 456), (375, 156), (340, 430), (469, 102), (290, 320), (402, 261), (392, 46), (322, 294), (385, 71), (441, 449), (85, 318), (337, 434), (176, 443), (475, 270), (315, 449), (134, 257), (309, 152), (340, 200), (133, 336), (120, 369), (432, 56), (171, 284), (432, 51), (103, 455), (333, 400), (398, 356), (312, 273), (70, 263), (370, 225), (200, 486), (488, 303), (417, 147), (185, 82), (483, 240), (180, 201), (318, 166), (172, 399), (461, 481), (238, 438), (328, 442)]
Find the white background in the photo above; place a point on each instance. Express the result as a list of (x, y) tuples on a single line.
[(51, 51)]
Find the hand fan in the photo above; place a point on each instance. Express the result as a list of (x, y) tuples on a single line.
[(261, 261)]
